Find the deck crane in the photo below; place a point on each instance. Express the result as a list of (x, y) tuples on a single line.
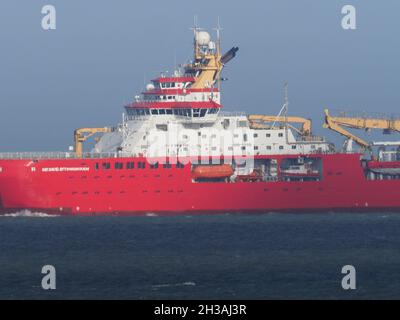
[(257, 121), (82, 134), (362, 122)]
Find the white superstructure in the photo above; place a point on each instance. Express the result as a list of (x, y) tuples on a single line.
[(181, 115)]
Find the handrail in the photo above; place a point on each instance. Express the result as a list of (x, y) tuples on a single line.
[(232, 113), (364, 114), (104, 155), (61, 155)]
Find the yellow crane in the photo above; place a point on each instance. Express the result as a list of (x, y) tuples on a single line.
[(362, 122), (257, 121), (82, 134)]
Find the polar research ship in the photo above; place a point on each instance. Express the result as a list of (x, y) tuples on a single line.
[(177, 152)]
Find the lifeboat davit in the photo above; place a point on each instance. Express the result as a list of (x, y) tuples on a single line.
[(212, 171)]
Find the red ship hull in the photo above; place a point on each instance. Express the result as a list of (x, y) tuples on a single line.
[(80, 187)]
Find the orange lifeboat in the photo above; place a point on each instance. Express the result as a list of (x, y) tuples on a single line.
[(212, 171)]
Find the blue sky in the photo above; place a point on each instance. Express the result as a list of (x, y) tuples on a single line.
[(97, 59)]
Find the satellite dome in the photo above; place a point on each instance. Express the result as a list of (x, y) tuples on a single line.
[(150, 87), (211, 45), (203, 38)]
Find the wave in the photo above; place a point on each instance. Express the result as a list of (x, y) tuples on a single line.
[(151, 214), (188, 283), (29, 213)]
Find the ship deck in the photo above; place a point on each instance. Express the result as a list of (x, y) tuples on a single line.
[(60, 155), (105, 155)]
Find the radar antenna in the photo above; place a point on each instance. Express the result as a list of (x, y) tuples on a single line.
[(284, 109), (218, 29)]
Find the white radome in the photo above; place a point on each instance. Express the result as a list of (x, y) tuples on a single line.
[(211, 45), (150, 87), (203, 38)]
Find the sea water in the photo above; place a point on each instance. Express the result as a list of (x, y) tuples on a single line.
[(230, 256)]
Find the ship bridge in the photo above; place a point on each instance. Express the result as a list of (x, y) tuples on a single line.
[(193, 93)]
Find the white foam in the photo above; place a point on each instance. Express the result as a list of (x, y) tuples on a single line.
[(28, 213), (188, 283), (151, 214)]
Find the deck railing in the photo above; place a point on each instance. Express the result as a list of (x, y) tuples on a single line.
[(232, 113), (389, 156), (103, 155), (60, 155), (365, 114)]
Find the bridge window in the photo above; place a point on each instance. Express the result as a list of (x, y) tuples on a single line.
[(168, 85), (106, 165), (130, 165), (168, 111), (161, 111), (294, 147), (181, 112), (138, 112), (154, 111)]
